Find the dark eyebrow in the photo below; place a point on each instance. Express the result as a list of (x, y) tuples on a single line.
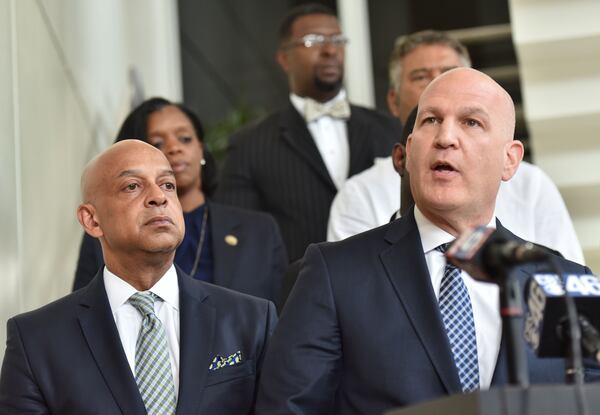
[(418, 70), (127, 173), (167, 172), (474, 111), (134, 172)]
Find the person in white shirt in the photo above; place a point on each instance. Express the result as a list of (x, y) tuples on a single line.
[(141, 337), (292, 163), (529, 204)]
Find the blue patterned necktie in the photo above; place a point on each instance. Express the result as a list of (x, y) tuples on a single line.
[(152, 365), (457, 315)]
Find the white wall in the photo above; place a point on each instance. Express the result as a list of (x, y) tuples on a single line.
[(558, 46), (65, 86)]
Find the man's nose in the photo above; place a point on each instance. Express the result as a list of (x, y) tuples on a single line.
[(447, 134), (329, 48), (156, 196)]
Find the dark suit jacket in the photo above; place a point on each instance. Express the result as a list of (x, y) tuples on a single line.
[(275, 166), (67, 358), (361, 332), (254, 266)]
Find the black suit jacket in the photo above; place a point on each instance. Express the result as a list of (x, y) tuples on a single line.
[(67, 358), (361, 332), (254, 266), (275, 166)]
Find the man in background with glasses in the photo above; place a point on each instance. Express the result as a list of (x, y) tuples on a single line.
[(292, 164)]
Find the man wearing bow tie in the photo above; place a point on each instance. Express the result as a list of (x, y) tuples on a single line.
[(141, 337), (292, 163)]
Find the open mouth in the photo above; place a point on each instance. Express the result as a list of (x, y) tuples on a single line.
[(443, 167)]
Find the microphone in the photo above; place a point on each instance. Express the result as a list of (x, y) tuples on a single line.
[(486, 254), (546, 328)]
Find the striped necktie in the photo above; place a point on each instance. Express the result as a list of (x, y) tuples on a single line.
[(457, 315), (152, 365)]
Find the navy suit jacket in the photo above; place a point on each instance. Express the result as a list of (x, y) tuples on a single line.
[(67, 358), (275, 166), (254, 266), (361, 331)]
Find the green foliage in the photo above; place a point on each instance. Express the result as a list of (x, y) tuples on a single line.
[(218, 133)]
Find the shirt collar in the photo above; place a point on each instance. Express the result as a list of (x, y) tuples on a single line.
[(299, 102), (432, 236), (119, 291)]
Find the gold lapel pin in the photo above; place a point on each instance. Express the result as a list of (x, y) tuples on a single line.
[(231, 240)]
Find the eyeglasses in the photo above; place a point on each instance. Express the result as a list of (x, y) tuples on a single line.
[(313, 40)]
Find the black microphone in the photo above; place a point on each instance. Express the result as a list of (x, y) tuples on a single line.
[(546, 328), (487, 254)]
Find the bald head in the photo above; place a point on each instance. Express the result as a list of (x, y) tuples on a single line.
[(482, 87), (130, 203), (100, 167), (461, 148)]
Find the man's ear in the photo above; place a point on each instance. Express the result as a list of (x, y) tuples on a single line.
[(392, 101), (399, 158), (282, 59), (86, 214), (514, 154)]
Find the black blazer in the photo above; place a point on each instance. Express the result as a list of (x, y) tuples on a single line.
[(361, 332), (66, 358), (275, 166), (254, 266)]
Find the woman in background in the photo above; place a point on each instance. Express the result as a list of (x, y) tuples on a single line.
[(227, 246)]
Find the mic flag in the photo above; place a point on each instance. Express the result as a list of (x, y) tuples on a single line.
[(546, 317)]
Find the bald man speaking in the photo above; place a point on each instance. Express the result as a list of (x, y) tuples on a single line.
[(142, 337), (371, 323)]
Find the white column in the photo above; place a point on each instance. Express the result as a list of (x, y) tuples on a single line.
[(358, 68)]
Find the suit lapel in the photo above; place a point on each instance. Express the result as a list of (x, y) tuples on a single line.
[(295, 132), (224, 254), (197, 321), (99, 329), (358, 142), (407, 270)]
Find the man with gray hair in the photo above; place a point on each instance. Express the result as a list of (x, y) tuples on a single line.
[(529, 204)]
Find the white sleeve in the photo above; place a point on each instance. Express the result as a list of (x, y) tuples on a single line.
[(350, 213), (553, 224), (366, 201)]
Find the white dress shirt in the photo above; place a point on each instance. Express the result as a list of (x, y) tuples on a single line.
[(129, 320), (484, 297), (331, 137), (529, 205)]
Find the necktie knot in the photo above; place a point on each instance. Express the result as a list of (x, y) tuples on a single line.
[(314, 110), (143, 302), (443, 247)]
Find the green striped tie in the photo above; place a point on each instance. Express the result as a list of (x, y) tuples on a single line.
[(152, 366)]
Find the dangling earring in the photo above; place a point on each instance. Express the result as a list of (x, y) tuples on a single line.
[(203, 162)]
